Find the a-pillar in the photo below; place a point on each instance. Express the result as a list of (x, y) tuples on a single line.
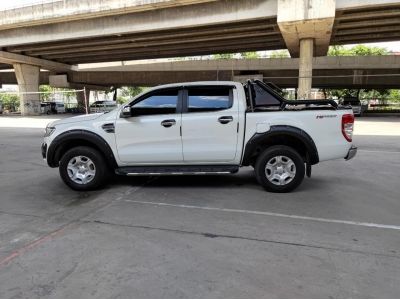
[(28, 85), (81, 97), (305, 68)]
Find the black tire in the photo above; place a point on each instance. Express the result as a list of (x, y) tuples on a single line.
[(270, 153), (95, 156)]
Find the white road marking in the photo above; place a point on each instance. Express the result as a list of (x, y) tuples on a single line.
[(377, 151), (271, 214)]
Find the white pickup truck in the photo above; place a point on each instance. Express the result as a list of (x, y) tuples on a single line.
[(202, 128)]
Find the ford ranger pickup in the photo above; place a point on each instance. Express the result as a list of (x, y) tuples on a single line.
[(202, 128)]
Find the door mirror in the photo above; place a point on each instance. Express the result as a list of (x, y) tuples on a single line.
[(126, 112)]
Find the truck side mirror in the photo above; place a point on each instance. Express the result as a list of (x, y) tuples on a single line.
[(126, 112)]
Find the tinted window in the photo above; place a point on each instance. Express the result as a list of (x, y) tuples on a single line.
[(209, 99), (157, 103), (263, 97), (97, 103)]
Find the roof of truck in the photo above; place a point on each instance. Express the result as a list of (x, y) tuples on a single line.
[(197, 83)]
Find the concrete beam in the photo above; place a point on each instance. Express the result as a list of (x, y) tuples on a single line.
[(181, 17), (61, 81), (275, 64), (282, 71), (237, 36), (223, 37), (146, 39), (12, 58), (348, 4), (73, 10), (284, 78)]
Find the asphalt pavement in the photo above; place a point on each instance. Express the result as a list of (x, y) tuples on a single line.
[(337, 235)]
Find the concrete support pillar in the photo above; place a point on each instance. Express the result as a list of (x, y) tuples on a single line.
[(305, 68), (80, 97), (28, 82), (304, 19)]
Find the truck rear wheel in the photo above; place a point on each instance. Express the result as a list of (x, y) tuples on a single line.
[(83, 168), (280, 169)]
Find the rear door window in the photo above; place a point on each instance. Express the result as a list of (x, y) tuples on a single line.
[(205, 99)]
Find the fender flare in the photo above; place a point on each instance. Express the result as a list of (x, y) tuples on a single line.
[(277, 131), (85, 137)]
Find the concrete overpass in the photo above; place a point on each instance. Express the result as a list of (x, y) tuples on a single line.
[(59, 35), (329, 72)]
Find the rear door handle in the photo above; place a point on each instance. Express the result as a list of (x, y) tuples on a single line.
[(225, 119), (168, 123)]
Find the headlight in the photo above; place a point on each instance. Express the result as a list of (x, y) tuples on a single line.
[(49, 131)]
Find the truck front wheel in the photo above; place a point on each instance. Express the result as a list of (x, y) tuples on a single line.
[(280, 169), (83, 168)]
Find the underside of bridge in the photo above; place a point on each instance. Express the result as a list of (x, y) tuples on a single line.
[(188, 28), (366, 72), (202, 40), (356, 25)]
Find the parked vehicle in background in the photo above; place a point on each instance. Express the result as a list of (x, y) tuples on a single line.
[(354, 103), (1, 108), (48, 108), (60, 107), (202, 128), (102, 106), (45, 108)]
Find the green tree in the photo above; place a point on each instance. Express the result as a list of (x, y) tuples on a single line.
[(249, 55), (128, 92), (358, 50), (10, 101), (394, 96), (47, 92), (222, 56), (279, 54), (131, 91)]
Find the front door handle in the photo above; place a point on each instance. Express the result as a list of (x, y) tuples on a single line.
[(225, 119), (168, 123)]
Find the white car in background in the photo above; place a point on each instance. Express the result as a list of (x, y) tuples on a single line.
[(48, 108), (103, 106), (354, 103), (60, 107)]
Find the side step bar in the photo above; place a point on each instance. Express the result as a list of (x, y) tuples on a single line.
[(176, 170)]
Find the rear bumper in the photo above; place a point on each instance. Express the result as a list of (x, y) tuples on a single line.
[(352, 152)]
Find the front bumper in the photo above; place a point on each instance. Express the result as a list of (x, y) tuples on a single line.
[(44, 150), (352, 152)]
